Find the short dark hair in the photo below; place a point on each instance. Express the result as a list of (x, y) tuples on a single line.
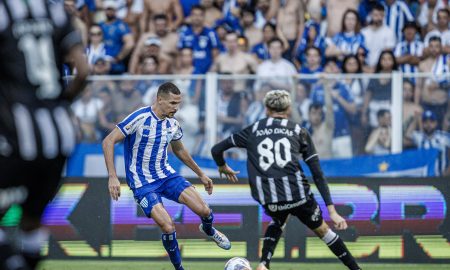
[(444, 10), (382, 112), (435, 38), (412, 25), (377, 6), (160, 17), (155, 59), (314, 48), (275, 39), (198, 7), (167, 88), (248, 9), (315, 106)]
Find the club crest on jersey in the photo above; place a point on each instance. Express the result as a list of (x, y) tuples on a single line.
[(316, 215), (272, 207)]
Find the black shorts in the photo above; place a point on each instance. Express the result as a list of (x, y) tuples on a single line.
[(32, 184), (308, 212)]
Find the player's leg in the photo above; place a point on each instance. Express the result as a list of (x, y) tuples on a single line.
[(169, 235), (271, 236), (189, 196), (311, 215), (11, 192), (42, 187)]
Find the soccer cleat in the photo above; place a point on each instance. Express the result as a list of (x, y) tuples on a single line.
[(218, 237)]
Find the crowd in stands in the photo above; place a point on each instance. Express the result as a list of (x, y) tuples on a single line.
[(278, 38)]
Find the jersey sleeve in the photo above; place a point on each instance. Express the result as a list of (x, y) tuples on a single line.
[(240, 139), (131, 123), (178, 132), (307, 147)]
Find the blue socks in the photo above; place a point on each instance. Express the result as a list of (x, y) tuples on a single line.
[(170, 243), (207, 224)]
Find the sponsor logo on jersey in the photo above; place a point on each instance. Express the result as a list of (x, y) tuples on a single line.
[(287, 206)]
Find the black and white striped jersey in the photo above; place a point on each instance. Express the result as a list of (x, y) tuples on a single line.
[(35, 36), (274, 147)]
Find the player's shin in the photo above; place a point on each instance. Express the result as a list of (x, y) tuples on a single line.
[(337, 246), (271, 237), (30, 244), (170, 243), (207, 223), (9, 259)]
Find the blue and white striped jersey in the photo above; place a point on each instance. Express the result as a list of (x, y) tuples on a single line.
[(349, 43), (414, 48), (439, 140), (396, 15), (145, 146), (441, 70)]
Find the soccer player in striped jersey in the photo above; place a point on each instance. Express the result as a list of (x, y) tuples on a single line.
[(36, 132), (147, 133), (274, 146)]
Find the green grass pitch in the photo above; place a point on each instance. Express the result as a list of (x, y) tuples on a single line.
[(135, 265)]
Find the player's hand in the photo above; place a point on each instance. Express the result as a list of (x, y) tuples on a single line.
[(114, 187), (339, 222), (229, 173), (208, 183)]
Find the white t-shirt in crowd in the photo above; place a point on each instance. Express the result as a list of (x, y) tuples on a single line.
[(377, 39)]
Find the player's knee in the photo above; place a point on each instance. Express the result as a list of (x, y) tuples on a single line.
[(168, 227), (204, 211), (322, 230)]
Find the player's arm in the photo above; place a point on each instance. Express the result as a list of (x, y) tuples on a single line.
[(108, 151), (183, 155), (240, 140), (311, 158), (76, 86)]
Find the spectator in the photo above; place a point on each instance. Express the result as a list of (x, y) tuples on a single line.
[(202, 40), (261, 50), (102, 65), (130, 12), (96, 47), (266, 11), (377, 35), (311, 38), (152, 47), (431, 137), (280, 70), (379, 142), (321, 125), (397, 14), (410, 108), (378, 94), (434, 93), (428, 16), (117, 37), (107, 119), (442, 30), (168, 39), (290, 21), (336, 10), (362, 58), (253, 34), (229, 108), (357, 87), (257, 110), (127, 100), (168, 43), (186, 67), (148, 66), (302, 102), (234, 61), (221, 31), (343, 106), (171, 8), (86, 111), (349, 40), (212, 13), (313, 65), (364, 9), (77, 21), (409, 52)]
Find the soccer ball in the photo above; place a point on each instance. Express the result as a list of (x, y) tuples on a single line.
[(238, 263)]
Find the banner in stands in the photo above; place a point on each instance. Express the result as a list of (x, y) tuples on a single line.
[(88, 161), (397, 220)]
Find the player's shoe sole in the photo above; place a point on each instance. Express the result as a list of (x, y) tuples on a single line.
[(218, 237)]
